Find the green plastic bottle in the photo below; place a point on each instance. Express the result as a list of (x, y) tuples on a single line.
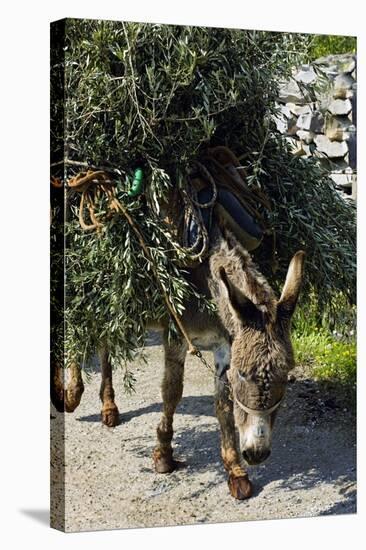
[(136, 187)]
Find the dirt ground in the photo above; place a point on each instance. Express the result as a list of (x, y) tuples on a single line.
[(110, 481)]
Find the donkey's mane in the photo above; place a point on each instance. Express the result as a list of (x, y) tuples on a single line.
[(243, 273), (265, 361)]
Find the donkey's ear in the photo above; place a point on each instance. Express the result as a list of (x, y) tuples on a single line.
[(242, 306), (290, 293)]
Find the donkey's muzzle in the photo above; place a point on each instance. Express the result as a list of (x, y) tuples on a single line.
[(256, 456)]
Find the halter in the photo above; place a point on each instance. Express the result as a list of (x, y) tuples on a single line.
[(258, 412)]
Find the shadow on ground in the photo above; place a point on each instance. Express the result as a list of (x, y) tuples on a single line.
[(200, 405), (309, 433)]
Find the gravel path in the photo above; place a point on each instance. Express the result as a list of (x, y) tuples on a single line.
[(110, 482)]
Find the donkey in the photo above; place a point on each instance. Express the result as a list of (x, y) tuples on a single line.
[(250, 338)]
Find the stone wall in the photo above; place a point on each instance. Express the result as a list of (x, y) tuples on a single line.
[(317, 113)]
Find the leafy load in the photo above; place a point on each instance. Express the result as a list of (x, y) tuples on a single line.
[(154, 96)]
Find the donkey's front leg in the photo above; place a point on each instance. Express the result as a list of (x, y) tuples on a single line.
[(239, 484), (172, 389), (110, 413)]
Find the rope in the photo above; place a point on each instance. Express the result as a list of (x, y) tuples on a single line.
[(219, 164), (202, 168), (193, 253), (191, 348), (56, 182), (191, 211), (90, 185)]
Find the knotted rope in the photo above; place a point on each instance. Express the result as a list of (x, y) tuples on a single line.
[(192, 211), (219, 165), (91, 185)]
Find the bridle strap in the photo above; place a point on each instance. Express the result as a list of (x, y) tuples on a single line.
[(258, 412)]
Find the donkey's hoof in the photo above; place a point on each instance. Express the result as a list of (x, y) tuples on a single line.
[(240, 487), (164, 463), (73, 398), (110, 415), (74, 388)]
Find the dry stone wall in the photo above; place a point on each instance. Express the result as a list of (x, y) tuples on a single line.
[(318, 113)]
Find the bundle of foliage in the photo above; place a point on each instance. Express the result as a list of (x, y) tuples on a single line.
[(154, 96)]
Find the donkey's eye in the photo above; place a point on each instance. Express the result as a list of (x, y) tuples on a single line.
[(241, 376)]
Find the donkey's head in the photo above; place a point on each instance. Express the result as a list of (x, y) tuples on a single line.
[(261, 351)]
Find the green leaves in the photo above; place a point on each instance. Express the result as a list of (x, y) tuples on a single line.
[(154, 96), (111, 290), (322, 44)]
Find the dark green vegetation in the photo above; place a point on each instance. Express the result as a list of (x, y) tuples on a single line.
[(152, 96)]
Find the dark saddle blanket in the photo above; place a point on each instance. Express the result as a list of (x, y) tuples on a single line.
[(226, 212)]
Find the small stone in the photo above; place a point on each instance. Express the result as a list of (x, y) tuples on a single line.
[(290, 92), (281, 124), (305, 136), (285, 110), (299, 109), (348, 64), (332, 149), (339, 63), (340, 107), (304, 121), (333, 124), (306, 75), (313, 121), (317, 122), (285, 120), (342, 85), (337, 134), (344, 80), (341, 93)]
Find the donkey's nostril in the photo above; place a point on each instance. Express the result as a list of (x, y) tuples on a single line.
[(253, 457)]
